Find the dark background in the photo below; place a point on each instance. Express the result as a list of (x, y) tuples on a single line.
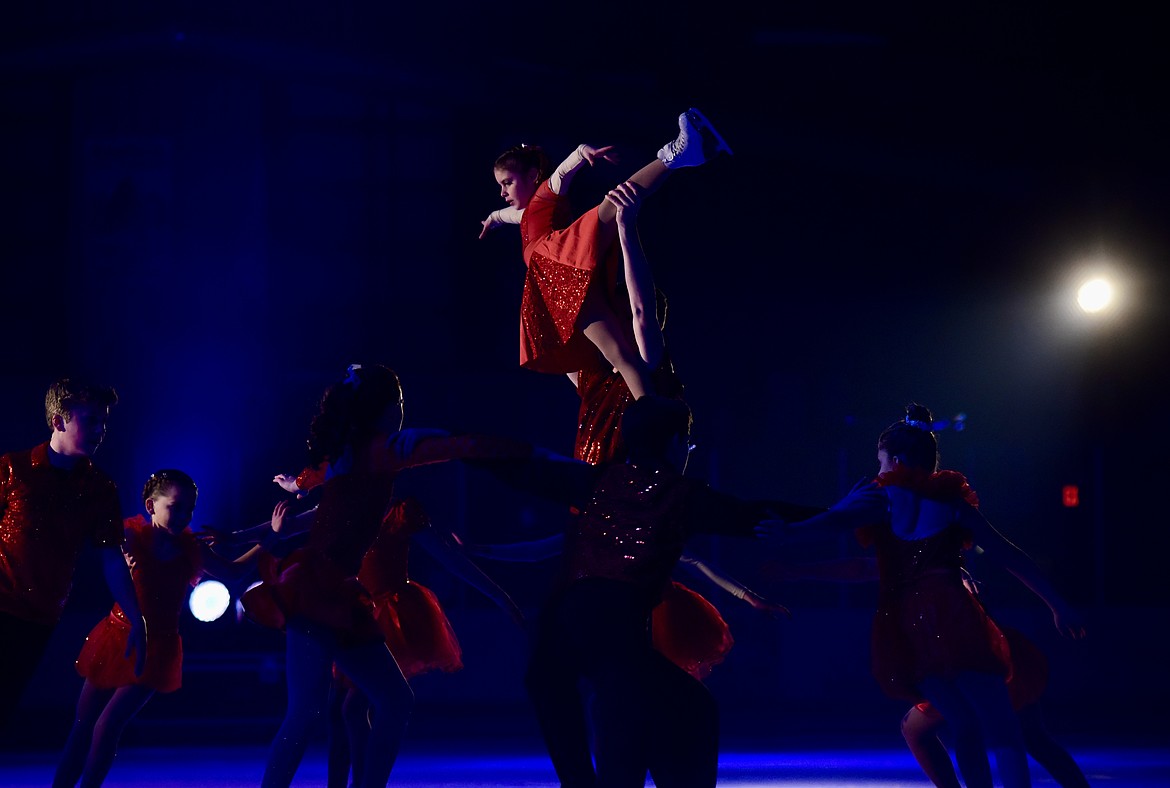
[(216, 207)]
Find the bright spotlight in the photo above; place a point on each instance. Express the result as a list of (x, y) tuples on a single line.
[(209, 600), (1095, 295)]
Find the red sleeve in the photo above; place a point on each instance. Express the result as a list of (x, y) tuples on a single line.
[(311, 477)]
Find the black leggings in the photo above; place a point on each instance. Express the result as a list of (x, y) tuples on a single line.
[(24, 644), (647, 713)]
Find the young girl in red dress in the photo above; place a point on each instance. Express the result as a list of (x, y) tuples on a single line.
[(569, 305), (314, 593), (931, 639), (165, 560), (416, 630)]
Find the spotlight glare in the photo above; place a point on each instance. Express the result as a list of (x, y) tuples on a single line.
[(1095, 295), (209, 600)]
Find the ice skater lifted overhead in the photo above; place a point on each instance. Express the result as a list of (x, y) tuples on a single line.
[(569, 300)]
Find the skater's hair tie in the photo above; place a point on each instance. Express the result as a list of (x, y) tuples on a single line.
[(925, 426), (351, 378)]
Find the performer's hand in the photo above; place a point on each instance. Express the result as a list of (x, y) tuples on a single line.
[(136, 642), (487, 226), (592, 154), (772, 609), (627, 198), (278, 515), (288, 483)]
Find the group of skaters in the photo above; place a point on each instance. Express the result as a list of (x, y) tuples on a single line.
[(620, 647)]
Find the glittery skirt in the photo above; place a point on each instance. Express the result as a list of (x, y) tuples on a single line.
[(689, 631), (933, 628), (562, 266), (417, 632), (104, 662), (308, 584), (604, 398)]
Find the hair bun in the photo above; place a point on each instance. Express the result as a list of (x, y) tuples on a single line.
[(919, 416)]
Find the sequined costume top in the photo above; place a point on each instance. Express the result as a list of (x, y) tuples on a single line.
[(927, 623), (47, 514), (163, 567), (633, 527), (563, 259)]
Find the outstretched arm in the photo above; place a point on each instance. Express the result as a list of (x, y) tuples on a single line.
[(1001, 551), (559, 181), (118, 579), (865, 505), (736, 589), (264, 535), (627, 198), (550, 476), (459, 565), (238, 568), (499, 217)]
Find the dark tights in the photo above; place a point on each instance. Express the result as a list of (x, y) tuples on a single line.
[(311, 650), (647, 714)]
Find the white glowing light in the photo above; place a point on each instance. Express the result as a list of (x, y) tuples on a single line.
[(209, 600), (1094, 295)]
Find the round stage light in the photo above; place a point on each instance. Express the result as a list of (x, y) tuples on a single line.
[(209, 600), (1095, 295)]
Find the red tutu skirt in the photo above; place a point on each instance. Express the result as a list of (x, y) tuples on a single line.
[(309, 585), (561, 269), (417, 631), (104, 663), (688, 630), (934, 629)]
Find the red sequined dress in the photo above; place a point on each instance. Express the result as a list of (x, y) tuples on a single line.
[(320, 581), (563, 257), (163, 567), (927, 623)]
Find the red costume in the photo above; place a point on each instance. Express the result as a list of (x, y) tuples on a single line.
[(927, 622), (47, 515), (1029, 671), (604, 398), (417, 631), (163, 568), (321, 580), (563, 257)]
